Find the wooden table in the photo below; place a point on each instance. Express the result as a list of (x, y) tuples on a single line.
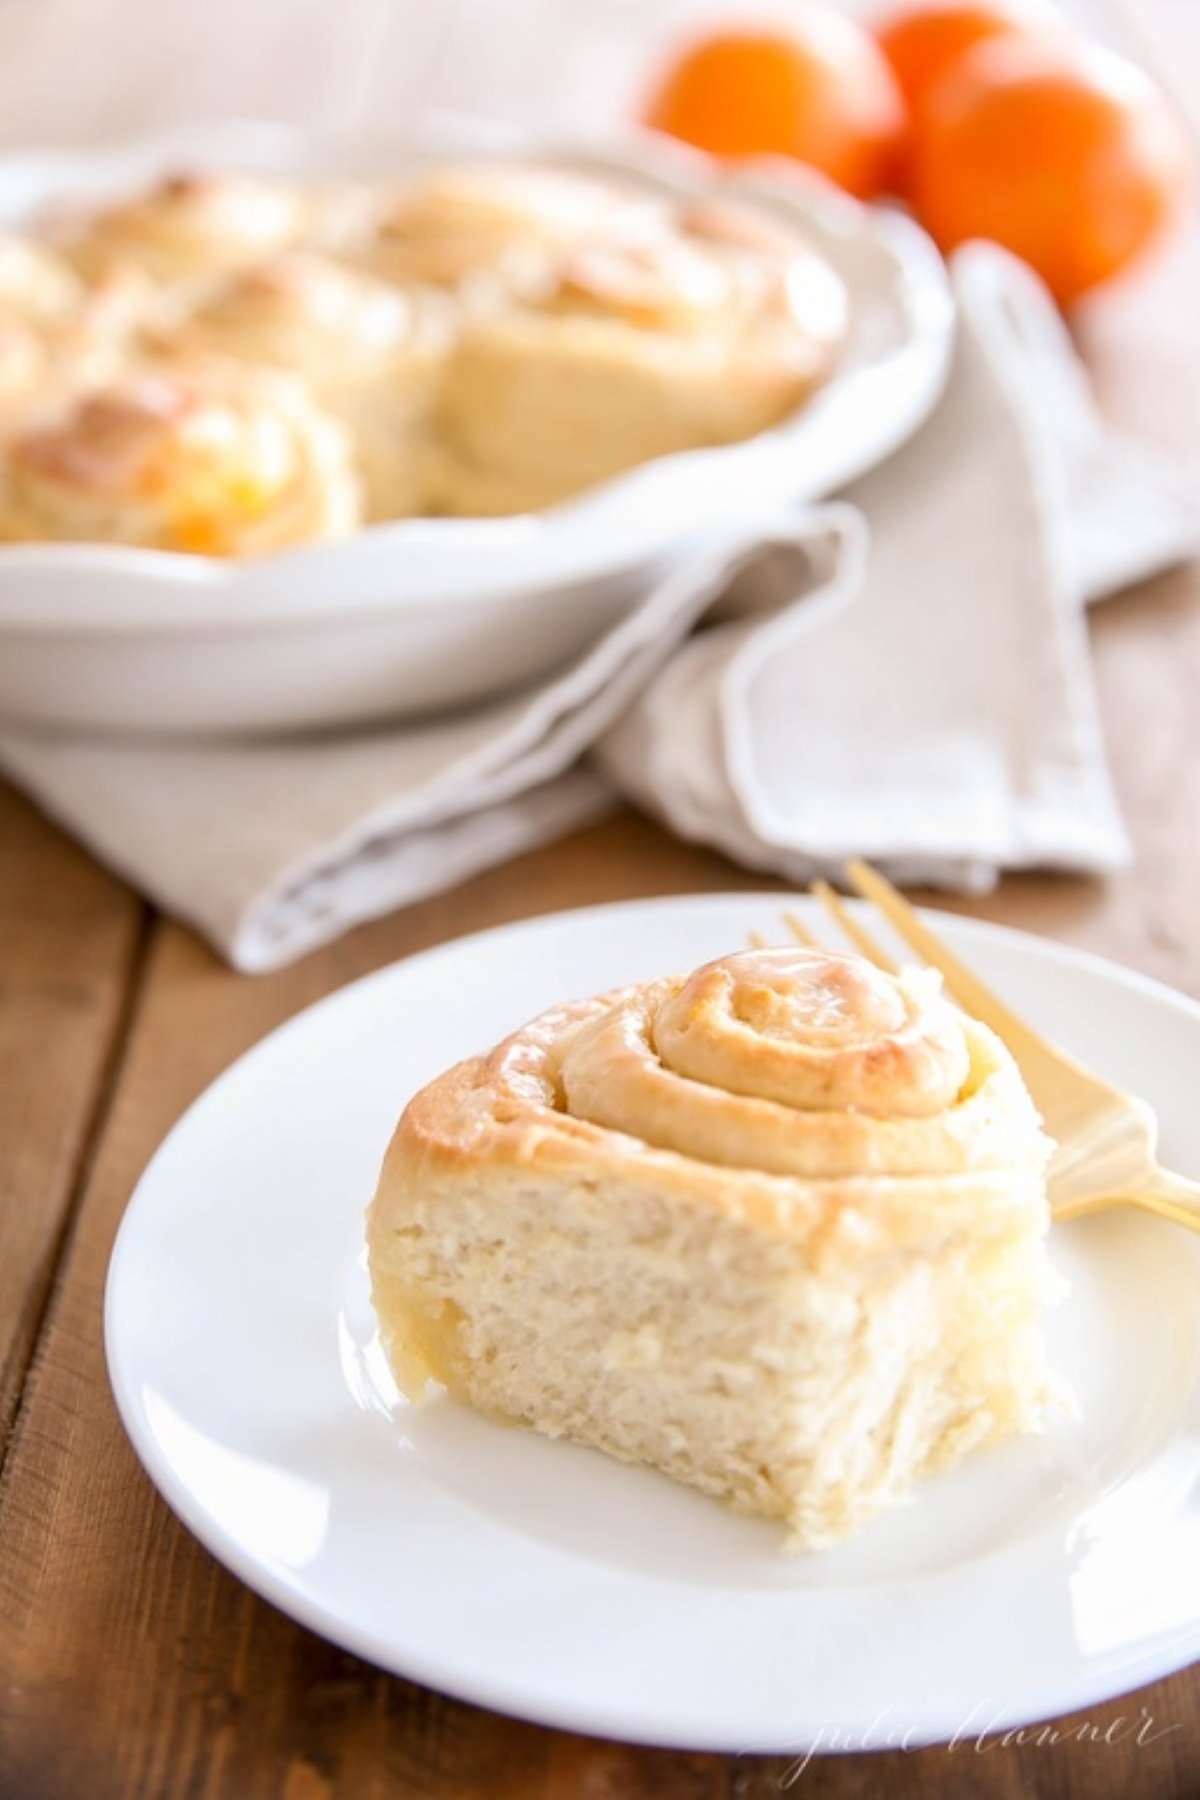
[(132, 1664)]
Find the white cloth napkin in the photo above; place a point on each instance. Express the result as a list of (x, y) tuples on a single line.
[(901, 674)]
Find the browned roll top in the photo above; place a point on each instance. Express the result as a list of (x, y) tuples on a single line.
[(796, 1063)]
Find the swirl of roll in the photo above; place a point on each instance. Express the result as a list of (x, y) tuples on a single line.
[(217, 460), (370, 353), (775, 1227), (793, 1062), (634, 345), (497, 221), (800, 1062), (300, 310), (196, 224)]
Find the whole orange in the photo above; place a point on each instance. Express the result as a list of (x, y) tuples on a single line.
[(1069, 157), (922, 42), (818, 89)]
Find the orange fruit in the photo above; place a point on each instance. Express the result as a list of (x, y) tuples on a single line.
[(818, 89), (1069, 157), (923, 42)]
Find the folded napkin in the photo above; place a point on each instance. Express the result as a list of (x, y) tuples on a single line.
[(902, 673)]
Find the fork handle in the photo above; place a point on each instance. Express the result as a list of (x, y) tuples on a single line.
[(1167, 1196)]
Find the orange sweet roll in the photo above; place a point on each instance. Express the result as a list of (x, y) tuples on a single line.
[(371, 353), (775, 1227), (215, 459)]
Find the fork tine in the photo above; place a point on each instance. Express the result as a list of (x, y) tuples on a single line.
[(1061, 1087), (758, 941), (858, 934), (799, 929), (1031, 1049), (966, 988)]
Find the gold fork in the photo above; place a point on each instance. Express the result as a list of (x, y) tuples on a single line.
[(1105, 1137)]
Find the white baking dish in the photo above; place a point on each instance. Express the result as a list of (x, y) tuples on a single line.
[(419, 614)]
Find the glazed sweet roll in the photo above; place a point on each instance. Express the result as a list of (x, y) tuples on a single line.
[(634, 347), (195, 224), (776, 1228), (370, 353), (63, 333), (219, 460), (494, 221)]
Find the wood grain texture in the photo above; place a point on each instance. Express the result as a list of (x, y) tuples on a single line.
[(133, 1665), (68, 942), (174, 1680)]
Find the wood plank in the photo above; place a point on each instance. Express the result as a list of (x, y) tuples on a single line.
[(68, 942), (174, 1679), (171, 1678), (130, 1662)]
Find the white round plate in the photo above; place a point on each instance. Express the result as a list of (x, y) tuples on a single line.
[(546, 1580), (421, 613)]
